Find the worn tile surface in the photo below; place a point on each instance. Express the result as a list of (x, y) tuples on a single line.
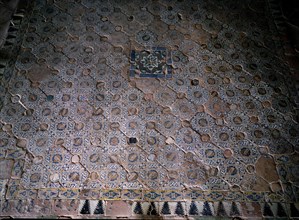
[(173, 108)]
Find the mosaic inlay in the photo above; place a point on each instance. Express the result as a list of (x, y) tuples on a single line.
[(153, 63), (158, 108)]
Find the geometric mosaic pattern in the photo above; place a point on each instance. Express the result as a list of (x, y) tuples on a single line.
[(157, 107), (153, 64)]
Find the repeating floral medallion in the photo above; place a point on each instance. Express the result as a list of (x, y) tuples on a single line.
[(161, 108)]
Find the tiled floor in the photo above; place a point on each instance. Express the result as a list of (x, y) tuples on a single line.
[(139, 109)]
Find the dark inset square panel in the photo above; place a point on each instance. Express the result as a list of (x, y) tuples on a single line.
[(153, 63)]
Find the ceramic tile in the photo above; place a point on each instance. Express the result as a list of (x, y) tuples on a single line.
[(159, 107)]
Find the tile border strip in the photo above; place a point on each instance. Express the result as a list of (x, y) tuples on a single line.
[(14, 192), (125, 208)]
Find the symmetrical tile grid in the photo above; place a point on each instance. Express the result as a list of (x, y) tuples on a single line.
[(169, 108)]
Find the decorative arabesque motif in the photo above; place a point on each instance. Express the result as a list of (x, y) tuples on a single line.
[(176, 106), (154, 63)]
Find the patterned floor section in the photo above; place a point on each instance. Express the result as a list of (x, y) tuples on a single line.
[(148, 109)]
